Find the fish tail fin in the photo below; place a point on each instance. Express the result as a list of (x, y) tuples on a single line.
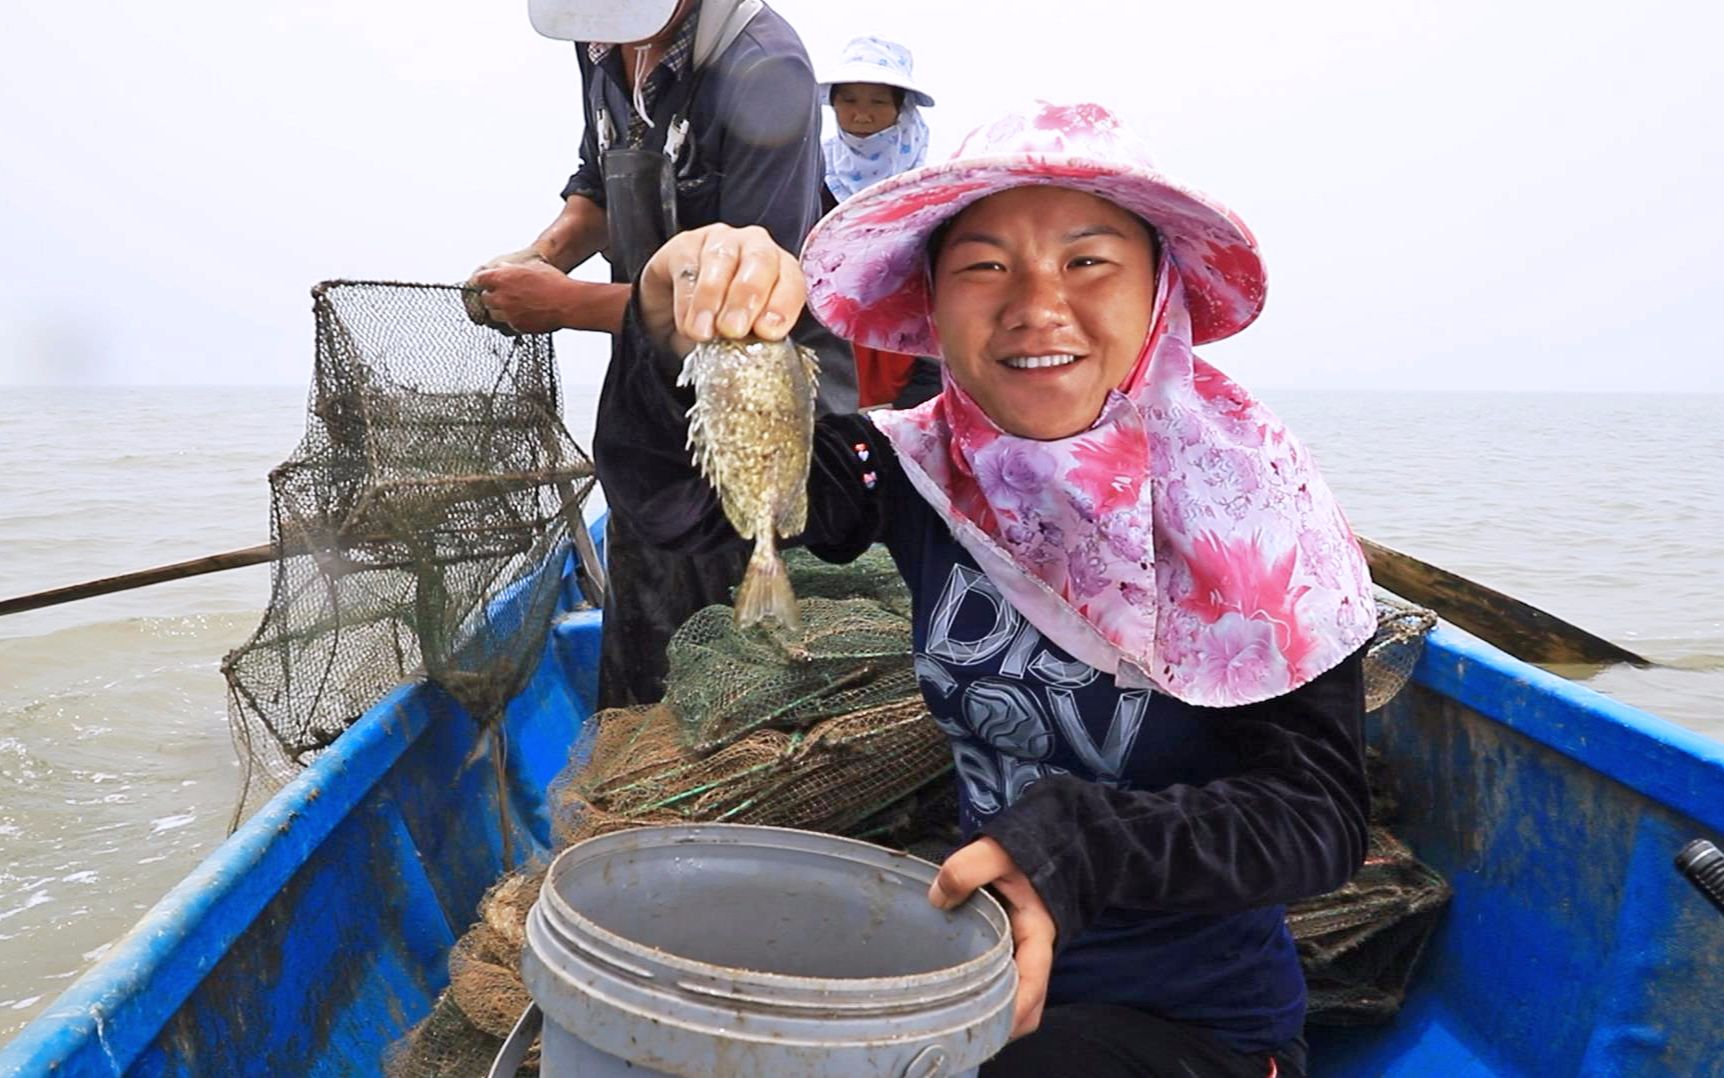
[(764, 594)]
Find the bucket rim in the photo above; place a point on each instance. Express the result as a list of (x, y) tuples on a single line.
[(796, 992)]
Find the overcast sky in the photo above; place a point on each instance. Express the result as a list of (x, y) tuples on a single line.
[(1472, 194)]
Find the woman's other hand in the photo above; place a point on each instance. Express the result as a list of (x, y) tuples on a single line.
[(720, 281), (984, 862)]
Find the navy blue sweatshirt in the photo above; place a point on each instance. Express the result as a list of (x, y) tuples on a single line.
[(1163, 837)]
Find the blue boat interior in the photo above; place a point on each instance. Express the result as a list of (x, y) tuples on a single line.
[(1571, 945), (319, 933)]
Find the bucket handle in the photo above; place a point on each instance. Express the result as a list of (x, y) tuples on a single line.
[(930, 1062), (520, 1041)]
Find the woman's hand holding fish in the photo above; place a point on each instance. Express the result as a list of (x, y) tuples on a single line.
[(720, 281)]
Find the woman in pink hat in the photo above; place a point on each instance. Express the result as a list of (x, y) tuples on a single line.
[(1138, 612)]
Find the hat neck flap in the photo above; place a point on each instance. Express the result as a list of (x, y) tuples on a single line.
[(1183, 541), (854, 162)]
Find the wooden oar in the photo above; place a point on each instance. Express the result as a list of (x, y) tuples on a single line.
[(586, 555), (179, 570), (1523, 631), (1526, 632)]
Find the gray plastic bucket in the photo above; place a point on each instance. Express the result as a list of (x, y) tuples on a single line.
[(725, 950)]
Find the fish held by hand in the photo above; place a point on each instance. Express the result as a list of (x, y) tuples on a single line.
[(752, 433)]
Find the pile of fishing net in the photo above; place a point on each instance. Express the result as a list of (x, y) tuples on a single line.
[(819, 732), (825, 731), (1359, 944), (420, 528), (829, 732)]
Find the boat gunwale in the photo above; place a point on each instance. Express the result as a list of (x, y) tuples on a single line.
[(119, 1006), (1676, 767)]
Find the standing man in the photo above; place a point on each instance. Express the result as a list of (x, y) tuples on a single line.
[(696, 111)]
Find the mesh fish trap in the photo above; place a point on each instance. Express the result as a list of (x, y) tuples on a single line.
[(420, 527), (1395, 648)]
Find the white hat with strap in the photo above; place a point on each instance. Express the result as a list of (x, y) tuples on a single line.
[(879, 61)]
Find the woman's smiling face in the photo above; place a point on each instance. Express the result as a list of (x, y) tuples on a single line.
[(1042, 301)]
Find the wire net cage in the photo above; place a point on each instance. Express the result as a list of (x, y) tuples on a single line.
[(419, 529)]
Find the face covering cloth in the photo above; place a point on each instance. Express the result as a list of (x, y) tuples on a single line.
[(857, 161)]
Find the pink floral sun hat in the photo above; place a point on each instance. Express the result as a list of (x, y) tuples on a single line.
[(866, 261)]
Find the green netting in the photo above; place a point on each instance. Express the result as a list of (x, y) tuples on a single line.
[(819, 729), (874, 576), (823, 730), (852, 654), (1395, 647), (1360, 943)]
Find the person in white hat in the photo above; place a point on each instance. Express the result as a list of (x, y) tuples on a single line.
[(1138, 612), (874, 97), (696, 112), (878, 107)]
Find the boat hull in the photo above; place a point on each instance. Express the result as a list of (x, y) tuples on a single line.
[(318, 934), (1571, 946)]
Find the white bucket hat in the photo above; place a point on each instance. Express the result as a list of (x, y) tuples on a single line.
[(875, 60)]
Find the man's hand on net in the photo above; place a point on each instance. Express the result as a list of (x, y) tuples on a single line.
[(529, 297), (985, 863), (473, 299)]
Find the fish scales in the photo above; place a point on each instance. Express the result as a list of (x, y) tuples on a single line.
[(752, 434)]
